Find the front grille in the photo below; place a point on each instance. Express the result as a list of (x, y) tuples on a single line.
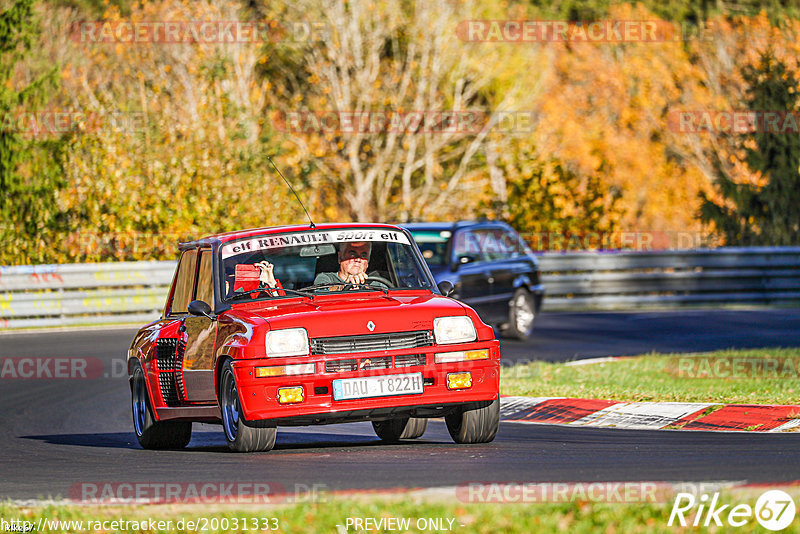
[(165, 353), (409, 360), (168, 390), (341, 366), (372, 342), (381, 362)]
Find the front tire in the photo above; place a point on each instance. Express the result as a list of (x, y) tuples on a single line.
[(150, 433), (521, 315), (474, 423), (393, 430), (241, 436)]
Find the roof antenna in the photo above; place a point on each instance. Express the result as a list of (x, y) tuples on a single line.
[(293, 191)]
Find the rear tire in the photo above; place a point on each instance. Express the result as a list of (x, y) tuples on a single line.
[(474, 423), (393, 430), (521, 315), (150, 433), (241, 435)]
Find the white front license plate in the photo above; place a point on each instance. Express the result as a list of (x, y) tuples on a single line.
[(377, 386)]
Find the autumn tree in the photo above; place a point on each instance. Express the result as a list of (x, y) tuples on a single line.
[(387, 60), (187, 156), (767, 214), (30, 174)]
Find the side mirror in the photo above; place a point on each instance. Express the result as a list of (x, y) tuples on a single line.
[(461, 261), (199, 307), (445, 287)]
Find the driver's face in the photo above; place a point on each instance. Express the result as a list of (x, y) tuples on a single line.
[(354, 259)]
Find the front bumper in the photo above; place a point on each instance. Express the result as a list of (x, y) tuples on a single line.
[(259, 396)]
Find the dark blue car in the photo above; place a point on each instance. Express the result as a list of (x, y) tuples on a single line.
[(491, 268)]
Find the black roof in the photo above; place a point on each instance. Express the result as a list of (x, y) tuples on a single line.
[(439, 226)]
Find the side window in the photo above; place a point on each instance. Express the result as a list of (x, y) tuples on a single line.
[(467, 243), (513, 242), (184, 283), (490, 245), (503, 244), (205, 287)]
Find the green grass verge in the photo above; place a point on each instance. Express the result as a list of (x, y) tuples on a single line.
[(573, 517), (764, 376)]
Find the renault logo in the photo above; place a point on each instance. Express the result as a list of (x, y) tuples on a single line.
[(371, 326)]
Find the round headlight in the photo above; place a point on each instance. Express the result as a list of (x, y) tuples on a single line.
[(287, 342), (457, 329)]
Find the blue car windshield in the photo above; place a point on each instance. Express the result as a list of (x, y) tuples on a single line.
[(433, 245)]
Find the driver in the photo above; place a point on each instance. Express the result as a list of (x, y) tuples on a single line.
[(353, 264)]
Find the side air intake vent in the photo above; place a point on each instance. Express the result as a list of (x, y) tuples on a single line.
[(167, 360), (179, 368), (165, 353)]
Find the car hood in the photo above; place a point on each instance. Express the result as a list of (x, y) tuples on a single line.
[(329, 316)]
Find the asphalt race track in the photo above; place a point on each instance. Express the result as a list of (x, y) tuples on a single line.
[(561, 337), (59, 433)]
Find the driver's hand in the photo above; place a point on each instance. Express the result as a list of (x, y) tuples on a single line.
[(266, 277), (360, 278)]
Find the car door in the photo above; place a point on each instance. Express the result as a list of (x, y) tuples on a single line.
[(508, 265), (199, 336), (473, 277), (172, 340)]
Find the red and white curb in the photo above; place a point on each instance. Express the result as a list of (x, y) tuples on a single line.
[(650, 415)]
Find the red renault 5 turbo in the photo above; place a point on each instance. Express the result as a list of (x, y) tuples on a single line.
[(308, 347)]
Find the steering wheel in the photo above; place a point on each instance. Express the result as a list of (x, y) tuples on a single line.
[(379, 279)]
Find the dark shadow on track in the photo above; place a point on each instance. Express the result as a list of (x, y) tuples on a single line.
[(215, 441), (111, 440)]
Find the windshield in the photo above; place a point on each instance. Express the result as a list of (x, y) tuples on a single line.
[(318, 262), (433, 245)]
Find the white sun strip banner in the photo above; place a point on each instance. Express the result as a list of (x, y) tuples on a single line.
[(275, 241), (641, 414)]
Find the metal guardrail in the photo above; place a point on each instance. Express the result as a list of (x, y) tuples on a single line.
[(671, 278), (57, 295), (89, 293)]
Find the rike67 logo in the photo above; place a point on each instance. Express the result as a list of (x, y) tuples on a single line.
[(774, 510)]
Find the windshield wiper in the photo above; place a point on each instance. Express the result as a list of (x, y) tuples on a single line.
[(347, 285), (238, 296)]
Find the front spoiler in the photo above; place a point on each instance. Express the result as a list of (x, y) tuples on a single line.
[(259, 395)]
